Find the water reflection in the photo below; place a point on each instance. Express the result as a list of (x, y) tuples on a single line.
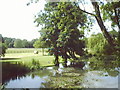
[(99, 79), (12, 72), (27, 82), (77, 64), (68, 75), (17, 76)]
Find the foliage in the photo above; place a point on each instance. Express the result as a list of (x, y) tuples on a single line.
[(18, 43), (97, 45), (2, 87), (110, 12), (9, 42), (61, 21), (25, 43), (39, 44), (3, 46), (31, 43)]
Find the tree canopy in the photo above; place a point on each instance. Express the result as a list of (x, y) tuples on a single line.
[(64, 24), (61, 22)]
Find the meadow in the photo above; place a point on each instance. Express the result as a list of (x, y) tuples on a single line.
[(23, 50), (26, 56)]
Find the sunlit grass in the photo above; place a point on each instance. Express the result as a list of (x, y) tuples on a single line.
[(26, 58), (24, 50)]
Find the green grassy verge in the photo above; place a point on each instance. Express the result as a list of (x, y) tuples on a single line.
[(27, 58)]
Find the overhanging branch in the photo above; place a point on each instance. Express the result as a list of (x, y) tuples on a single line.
[(87, 12)]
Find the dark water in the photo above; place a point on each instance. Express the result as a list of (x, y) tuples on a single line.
[(89, 74)]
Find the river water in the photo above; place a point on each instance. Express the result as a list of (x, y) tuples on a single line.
[(82, 74)]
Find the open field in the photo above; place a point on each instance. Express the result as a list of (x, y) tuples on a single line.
[(23, 50), (26, 58)]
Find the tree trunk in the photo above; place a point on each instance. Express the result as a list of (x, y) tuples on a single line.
[(116, 8), (72, 54), (101, 24), (56, 60), (65, 62), (117, 18), (43, 51)]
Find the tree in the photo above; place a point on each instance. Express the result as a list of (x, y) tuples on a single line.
[(18, 43), (96, 44), (3, 46), (99, 19), (40, 44), (25, 43), (60, 22), (9, 42), (111, 11), (32, 42)]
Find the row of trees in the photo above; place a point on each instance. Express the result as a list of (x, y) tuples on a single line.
[(18, 43), (64, 24), (6, 42)]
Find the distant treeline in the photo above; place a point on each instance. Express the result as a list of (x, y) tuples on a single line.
[(18, 43)]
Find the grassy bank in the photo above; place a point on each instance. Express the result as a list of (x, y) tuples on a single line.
[(28, 58)]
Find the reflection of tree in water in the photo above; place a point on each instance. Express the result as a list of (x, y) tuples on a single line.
[(12, 72), (109, 66), (73, 74), (77, 64), (113, 73), (66, 77), (41, 73)]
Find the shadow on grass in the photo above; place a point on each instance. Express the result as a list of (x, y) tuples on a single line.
[(9, 58)]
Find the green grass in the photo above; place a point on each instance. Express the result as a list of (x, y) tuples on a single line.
[(23, 50), (27, 58)]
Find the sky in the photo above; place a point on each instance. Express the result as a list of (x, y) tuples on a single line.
[(17, 19)]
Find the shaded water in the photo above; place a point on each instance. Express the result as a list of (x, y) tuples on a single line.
[(77, 75)]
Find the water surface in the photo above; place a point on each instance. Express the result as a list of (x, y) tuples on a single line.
[(79, 75)]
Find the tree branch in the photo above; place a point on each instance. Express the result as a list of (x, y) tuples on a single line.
[(87, 12)]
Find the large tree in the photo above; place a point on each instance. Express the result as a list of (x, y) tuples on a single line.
[(61, 22), (108, 10), (103, 10)]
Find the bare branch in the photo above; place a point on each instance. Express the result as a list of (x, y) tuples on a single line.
[(87, 12)]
